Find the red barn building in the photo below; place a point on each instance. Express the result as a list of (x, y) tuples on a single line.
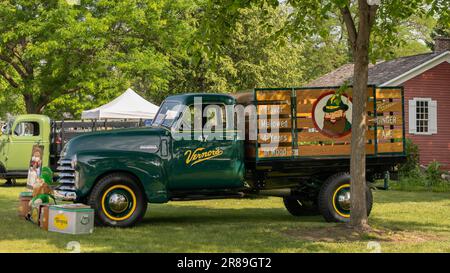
[(426, 82)]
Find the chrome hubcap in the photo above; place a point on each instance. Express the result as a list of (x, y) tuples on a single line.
[(344, 200), (118, 202)]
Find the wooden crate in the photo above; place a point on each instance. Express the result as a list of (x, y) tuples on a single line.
[(301, 134)]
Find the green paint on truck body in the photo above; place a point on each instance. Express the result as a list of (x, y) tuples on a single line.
[(16, 145), (160, 162)]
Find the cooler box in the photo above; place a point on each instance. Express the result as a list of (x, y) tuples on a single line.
[(71, 219)]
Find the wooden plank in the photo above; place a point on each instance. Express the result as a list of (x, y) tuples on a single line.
[(316, 136), (386, 120), (381, 134), (333, 150), (388, 93), (305, 123), (313, 94), (277, 152), (304, 115), (307, 108), (395, 106), (385, 134), (282, 123), (307, 94), (275, 95), (280, 109), (272, 137), (396, 147), (304, 108)]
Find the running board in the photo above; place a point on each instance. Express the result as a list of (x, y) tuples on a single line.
[(207, 197)]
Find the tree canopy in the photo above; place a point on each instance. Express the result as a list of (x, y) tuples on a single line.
[(58, 58)]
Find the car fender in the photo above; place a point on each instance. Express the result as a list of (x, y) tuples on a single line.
[(148, 168)]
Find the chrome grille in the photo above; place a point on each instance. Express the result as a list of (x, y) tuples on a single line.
[(66, 180)]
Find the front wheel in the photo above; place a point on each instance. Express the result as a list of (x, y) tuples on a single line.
[(334, 198), (118, 201)]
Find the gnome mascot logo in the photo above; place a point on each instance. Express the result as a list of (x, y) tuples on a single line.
[(332, 114)]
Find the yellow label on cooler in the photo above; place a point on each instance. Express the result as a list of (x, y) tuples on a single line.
[(61, 221)]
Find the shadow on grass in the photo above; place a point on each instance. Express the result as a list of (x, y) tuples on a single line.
[(405, 225), (16, 185), (167, 214)]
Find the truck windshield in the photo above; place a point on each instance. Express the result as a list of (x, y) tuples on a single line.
[(167, 114)]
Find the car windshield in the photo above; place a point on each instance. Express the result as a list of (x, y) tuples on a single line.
[(167, 114)]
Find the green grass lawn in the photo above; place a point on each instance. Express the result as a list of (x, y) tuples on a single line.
[(406, 222)]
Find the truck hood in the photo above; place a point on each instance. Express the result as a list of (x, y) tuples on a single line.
[(139, 139)]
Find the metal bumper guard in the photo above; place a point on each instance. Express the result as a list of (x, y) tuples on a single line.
[(66, 190)]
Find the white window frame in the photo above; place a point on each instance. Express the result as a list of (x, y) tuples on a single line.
[(432, 116)]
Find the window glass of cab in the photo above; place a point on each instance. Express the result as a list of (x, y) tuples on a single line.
[(26, 129)]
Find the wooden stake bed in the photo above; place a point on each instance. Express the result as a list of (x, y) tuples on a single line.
[(316, 122)]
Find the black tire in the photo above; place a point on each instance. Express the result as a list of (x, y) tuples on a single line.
[(329, 206), (10, 182), (298, 207), (132, 196)]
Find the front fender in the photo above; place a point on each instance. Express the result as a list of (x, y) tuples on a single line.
[(147, 167)]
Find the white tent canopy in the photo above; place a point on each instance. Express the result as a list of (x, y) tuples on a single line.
[(129, 105)]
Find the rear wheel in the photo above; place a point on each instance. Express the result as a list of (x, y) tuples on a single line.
[(118, 201), (300, 207), (334, 198)]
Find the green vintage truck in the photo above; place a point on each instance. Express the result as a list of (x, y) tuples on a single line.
[(21, 133), (119, 172)]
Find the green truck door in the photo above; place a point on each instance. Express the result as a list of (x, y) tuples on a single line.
[(20, 142), (206, 162)]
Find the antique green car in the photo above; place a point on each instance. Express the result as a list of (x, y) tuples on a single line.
[(21, 133)]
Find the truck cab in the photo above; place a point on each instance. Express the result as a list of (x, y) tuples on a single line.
[(201, 159), (17, 138)]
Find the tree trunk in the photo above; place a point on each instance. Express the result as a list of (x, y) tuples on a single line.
[(358, 215), (31, 106)]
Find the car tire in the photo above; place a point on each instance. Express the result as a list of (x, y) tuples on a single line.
[(299, 207), (118, 200), (334, 198)]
